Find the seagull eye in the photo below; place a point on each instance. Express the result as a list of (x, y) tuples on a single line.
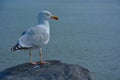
[(47, 14)]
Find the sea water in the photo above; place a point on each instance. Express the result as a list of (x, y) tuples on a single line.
[(87, 33)]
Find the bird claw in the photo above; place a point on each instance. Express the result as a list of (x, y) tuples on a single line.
[(33, 63), (38, 63), (43, 63)]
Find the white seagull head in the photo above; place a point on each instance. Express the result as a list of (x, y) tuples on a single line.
[(45, 15)]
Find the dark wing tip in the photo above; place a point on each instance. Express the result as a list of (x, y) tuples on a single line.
[(12, 49), (16, 47), (19, 47)]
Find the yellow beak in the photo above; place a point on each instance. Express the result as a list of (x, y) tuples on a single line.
[(54, 17)]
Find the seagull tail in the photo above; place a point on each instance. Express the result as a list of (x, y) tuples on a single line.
[(16, 47)]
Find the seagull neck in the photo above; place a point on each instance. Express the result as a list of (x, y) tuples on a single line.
[(43, 22)]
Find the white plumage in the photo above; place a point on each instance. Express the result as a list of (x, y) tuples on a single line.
[(37, 36)]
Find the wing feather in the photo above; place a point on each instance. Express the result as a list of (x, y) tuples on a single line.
[(34, 37)]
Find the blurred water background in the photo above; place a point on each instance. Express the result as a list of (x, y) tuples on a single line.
[(88, 33)]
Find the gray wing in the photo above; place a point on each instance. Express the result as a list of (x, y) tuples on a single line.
[(34, 37)]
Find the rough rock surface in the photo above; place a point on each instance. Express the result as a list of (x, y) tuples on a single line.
[(55, 70)]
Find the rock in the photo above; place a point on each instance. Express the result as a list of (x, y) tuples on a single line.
[(55, 70)]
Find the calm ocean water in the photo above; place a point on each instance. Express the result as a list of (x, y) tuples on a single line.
[(88, 33)]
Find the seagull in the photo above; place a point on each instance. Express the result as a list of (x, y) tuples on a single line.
[(36, 37)]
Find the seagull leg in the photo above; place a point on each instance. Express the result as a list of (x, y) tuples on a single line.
[(41, 62), (30, 53), (40, 52)]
